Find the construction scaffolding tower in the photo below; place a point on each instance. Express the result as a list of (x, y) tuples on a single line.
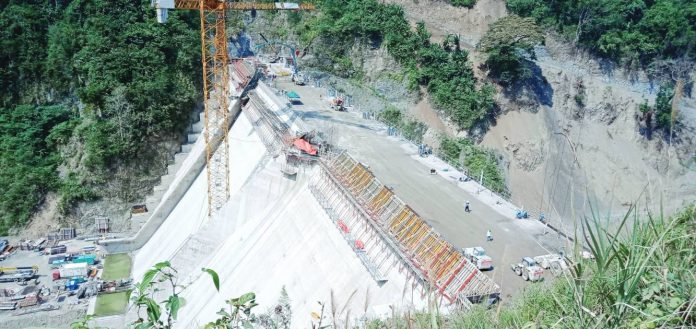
[(216, 80)]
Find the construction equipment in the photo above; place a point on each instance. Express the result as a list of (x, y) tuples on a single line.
[(528, 269), (272, 43), (74, 270), (337, 104), (216, 89), (299, 79), (293, 97), (555, 262), (477, 255), (373, 211)]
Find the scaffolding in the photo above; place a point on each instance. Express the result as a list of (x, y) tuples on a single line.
[(242, 73), (353, 197), (276, 134)]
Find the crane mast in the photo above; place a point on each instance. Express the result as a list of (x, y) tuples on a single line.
[(215, 58)]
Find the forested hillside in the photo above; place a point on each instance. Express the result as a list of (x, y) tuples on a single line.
[(634, 32), (442, 68), (102, 75)]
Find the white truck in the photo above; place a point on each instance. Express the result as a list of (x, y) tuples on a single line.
[(477, 255), (555, 262), (528, 269)]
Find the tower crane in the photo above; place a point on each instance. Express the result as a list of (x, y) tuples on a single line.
[(215, 60)]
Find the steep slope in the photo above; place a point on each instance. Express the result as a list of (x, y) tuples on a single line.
[(562, 155)]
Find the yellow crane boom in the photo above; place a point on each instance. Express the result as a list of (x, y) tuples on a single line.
[(216, 82)]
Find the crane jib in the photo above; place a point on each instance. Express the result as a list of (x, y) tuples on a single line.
[(230, 5)]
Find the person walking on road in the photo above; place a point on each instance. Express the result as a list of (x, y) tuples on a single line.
[(466, 207), (489, 235)]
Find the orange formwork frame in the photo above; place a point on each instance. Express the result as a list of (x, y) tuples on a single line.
[(433, 259)]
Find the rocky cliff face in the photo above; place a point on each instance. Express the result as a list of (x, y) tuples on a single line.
[(572, 138)]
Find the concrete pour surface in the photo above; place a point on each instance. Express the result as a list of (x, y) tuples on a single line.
[(439, 199)]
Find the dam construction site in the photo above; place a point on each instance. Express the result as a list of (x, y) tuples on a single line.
[(346, 164), (309, 214)]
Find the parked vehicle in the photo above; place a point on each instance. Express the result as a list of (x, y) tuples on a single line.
[(477, 255), (555, 262), (528, 269)]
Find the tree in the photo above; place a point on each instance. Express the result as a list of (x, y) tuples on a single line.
[(663, 107), (508, 44), (633, 32)]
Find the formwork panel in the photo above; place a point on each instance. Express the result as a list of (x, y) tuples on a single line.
[(380, 200), (360, 184), (411, 242), (399, 221), (392, 207)]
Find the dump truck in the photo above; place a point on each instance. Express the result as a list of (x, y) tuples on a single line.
[(528, 269), (477, 255)]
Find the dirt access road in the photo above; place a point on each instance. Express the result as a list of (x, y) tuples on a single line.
[(439, 201)]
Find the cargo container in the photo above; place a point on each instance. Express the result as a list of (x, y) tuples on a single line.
[(57, 250), (89, 259), (59, 259), (73, 270)]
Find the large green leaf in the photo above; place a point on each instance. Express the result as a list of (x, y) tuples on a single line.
[(147, 280), (174, 304), (214, 276), (248, 297)]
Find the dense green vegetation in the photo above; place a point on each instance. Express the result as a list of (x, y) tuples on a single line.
[(463, 3), (443, 69), (633, 32), (28, 140), (508, 45), (475, 160), (95, 73), (659, 116), (411, 129)]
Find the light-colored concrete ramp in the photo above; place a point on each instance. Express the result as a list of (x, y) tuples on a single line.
[(191, 211), (291, 242)]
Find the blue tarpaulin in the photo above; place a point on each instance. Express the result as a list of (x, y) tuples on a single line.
[(292, 95)]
